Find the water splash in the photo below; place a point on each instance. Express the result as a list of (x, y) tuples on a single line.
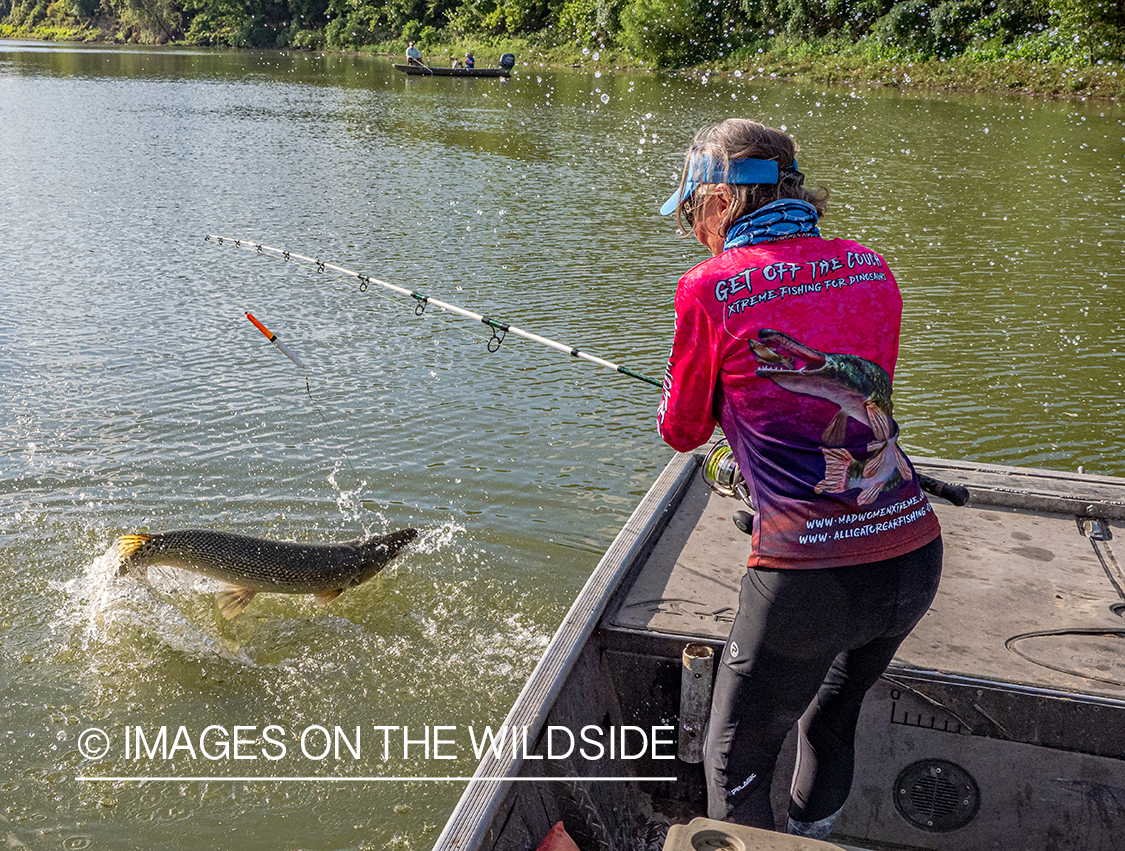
[(112, 609), (350, 502), (432, 541)]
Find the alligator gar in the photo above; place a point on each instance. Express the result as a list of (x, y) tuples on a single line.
[(860, 387), (249, 566)]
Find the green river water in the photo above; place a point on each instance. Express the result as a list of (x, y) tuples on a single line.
[(136, 397)]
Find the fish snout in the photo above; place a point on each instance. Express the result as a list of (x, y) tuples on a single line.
[(392, 543), (402, 537), (778, 347), (378, 550), (764, 354)]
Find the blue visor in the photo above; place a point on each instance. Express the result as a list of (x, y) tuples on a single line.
[(739, 171)]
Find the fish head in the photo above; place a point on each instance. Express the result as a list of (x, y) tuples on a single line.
[(847, 380), (791, 364), (778, 352), (375, 552)]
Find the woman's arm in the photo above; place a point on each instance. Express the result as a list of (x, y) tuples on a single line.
[(686, 415)]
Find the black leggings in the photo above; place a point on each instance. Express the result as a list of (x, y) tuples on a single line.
[(805, 647)]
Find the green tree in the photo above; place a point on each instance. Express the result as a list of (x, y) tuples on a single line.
[(1089, 29), (238, 23), (590, 23), (26, 14), (149, 21), (668, 33), (500, 17)]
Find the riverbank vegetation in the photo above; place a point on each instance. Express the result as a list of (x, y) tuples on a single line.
[(1048, 46)]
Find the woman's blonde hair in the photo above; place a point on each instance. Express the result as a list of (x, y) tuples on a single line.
[(741, 138)]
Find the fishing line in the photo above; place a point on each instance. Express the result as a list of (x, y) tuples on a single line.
[(500, 330), (956, 494), (273, 338)]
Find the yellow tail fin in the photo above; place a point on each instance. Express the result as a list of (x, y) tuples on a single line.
[(127, 545)]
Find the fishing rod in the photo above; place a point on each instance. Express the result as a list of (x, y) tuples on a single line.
[(956, 494), (499, 329)]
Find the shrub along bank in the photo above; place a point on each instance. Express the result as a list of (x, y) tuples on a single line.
[(1055, 46)]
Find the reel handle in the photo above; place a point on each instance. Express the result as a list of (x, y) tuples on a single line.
[(956, 494)]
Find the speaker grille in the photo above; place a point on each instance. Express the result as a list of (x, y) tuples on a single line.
[(936, 795)]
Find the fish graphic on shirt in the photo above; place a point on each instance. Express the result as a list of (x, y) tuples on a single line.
[(861, 389), (883, 471)]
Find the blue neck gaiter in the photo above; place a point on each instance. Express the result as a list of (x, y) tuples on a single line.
[(777, 220)]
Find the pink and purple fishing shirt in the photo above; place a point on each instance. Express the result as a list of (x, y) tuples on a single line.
[(790, 346)]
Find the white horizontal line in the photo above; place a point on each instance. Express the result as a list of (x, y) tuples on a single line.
[(115, 779)]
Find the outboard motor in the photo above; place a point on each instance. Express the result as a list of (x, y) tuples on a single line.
[(507, 61)]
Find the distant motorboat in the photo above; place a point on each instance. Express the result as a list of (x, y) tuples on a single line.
[(507, 62)]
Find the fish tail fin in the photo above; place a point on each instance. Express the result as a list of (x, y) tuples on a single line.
[(902, 464), (233, 599), (875, 462), (878, 419), (871, 492), (127, 547), (836, 464)]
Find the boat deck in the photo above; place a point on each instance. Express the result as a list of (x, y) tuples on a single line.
[(1017, 670), (1026, 597)]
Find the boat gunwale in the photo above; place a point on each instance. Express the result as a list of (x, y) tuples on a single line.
[(1034, 489), (429, 71)]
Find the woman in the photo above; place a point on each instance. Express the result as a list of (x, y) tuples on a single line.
[(789, 341)]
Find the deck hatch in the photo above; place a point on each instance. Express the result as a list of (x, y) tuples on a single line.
[(1093, 654), (936, 795)]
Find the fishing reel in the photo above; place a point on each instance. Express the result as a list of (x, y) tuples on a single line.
[(720, 472)]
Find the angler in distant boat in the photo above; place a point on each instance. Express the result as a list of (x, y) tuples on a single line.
[(249, 566), (468, 69)]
